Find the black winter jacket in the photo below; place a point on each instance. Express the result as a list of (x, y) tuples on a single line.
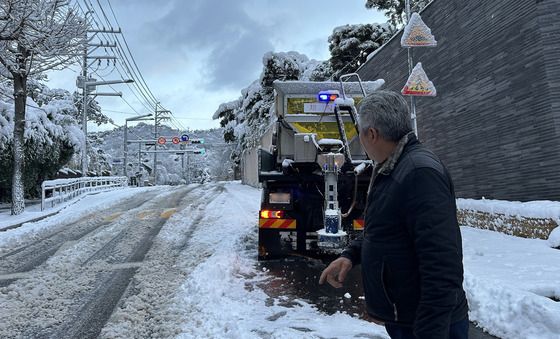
[(411, 250)]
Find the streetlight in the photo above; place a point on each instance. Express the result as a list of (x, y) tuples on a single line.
[(88, 86), (138, 118)]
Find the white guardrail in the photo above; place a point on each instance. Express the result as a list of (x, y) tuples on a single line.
[(61, 190)]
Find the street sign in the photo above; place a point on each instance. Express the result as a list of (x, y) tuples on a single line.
[(197, 141), (175, 140), (184, 137), (417, 34), (161, 140), (418, 83)]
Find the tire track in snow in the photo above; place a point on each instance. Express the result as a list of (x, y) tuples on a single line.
[(89, 319), (46, 299), (147, 308), (32, 255)]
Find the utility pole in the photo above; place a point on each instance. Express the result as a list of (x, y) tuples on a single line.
[(155, 147), (410, 66), (125, 146), (88, 84), (160, 115)]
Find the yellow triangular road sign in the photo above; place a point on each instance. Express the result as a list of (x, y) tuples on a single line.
[(417, 34), (418, 83)]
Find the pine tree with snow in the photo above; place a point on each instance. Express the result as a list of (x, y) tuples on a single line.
[(395, 9), (351, 44), (35, 36)]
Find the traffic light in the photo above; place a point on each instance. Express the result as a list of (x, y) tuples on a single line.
[(197, 141)]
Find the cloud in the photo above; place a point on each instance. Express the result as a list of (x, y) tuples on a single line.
[(232, 40)]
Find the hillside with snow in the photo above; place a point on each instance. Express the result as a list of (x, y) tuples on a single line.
[(173, 168)]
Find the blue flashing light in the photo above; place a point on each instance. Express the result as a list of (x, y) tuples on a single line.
[(327, 96)]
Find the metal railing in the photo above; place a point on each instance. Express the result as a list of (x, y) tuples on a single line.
[(56, 191)]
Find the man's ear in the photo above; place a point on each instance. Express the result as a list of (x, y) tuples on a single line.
[(373, 134)]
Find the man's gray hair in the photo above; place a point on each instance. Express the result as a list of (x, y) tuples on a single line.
[(387, 112)]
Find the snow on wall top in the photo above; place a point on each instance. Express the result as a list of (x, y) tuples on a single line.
[(312, 87), (533, 209)]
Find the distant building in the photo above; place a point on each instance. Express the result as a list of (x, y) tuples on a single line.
[(496, 119)]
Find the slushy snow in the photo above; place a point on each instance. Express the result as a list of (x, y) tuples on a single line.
[(210, 287)]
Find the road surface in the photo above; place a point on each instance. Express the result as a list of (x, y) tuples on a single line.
[(126, 272)]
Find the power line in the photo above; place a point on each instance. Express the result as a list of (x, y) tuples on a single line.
[(126, 44), (123, 57), (146, 103)]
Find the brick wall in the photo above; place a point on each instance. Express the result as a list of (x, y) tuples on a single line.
[(496, 120)]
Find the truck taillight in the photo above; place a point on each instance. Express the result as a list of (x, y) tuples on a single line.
[(269, 214)]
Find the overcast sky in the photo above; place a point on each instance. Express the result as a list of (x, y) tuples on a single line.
[(197, 54)]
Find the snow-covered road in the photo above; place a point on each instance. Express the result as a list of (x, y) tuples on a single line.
[(152, 263), (167, 262)]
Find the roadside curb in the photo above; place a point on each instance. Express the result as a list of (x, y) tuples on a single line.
[(10, 227)]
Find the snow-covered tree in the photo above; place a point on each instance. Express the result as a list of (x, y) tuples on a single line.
[(35, 36), (322, 72), (246, 119), (51, 137), (94, 110), (98, 160), (395, 9), (351, 44)]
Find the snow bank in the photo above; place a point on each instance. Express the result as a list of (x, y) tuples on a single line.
[(533, 209), (554, 238), (69, 214), (511, 283)]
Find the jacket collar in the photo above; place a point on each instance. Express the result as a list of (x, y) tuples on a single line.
[(388, 165)]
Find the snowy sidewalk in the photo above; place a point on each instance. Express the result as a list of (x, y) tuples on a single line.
[(33, 211), (512, 284)]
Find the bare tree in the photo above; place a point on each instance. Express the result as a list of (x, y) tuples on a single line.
[(35, 36)]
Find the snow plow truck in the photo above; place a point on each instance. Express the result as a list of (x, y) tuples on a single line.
[(313, 170)]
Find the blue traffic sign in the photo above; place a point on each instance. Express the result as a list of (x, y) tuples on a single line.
[(184, 137)]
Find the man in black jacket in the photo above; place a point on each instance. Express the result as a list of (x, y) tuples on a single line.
[(411, 250)]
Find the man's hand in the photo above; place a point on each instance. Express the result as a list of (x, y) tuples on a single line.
[(336, 272)]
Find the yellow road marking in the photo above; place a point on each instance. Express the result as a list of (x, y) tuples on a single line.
[(113, 216), (148, 214), (168, 213)]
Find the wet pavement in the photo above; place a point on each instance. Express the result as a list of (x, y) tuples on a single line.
[(297, 278)]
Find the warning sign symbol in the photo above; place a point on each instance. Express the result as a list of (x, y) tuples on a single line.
[(417, 34), (418, 83)]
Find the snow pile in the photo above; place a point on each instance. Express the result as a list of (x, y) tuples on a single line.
[(533, 209), (512, 284), (554, 238)]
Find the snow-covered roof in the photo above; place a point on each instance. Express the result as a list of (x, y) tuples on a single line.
[(314, 87)]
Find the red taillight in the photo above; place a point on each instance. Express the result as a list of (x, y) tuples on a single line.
[(268, 214)]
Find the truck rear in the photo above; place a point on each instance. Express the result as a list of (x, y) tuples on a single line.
[(313, 170)]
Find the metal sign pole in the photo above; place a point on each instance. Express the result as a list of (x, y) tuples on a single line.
[(410, 66)]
